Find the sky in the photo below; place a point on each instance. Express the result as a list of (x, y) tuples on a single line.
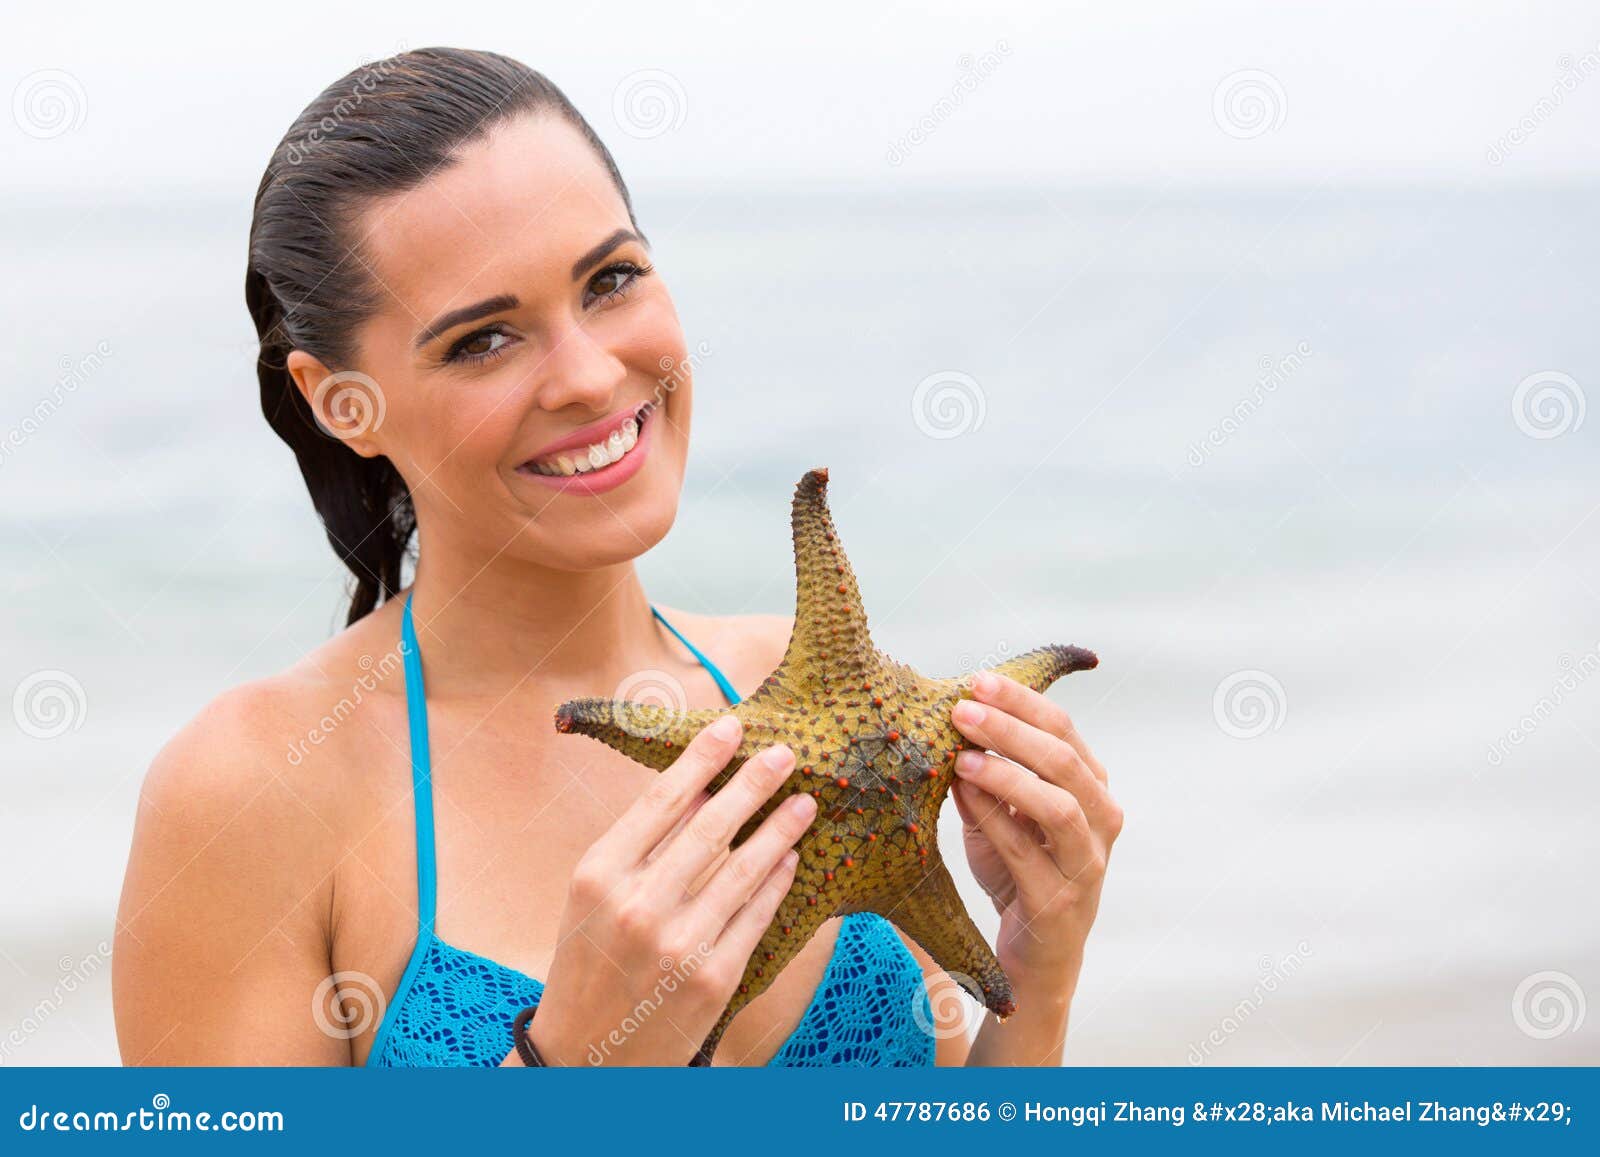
[(149, 100)]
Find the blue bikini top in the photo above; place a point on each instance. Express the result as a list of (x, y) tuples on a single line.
[(455, 1008)]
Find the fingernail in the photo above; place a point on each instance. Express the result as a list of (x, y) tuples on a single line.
[(726, 727), (791, 858), (778, 758), (800, 805), (985, 682), (969, 762), (969, 712)]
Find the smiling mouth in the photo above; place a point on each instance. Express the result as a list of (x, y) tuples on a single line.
[(597, 455)]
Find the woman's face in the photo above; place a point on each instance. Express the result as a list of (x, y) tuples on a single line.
[(520, 334)]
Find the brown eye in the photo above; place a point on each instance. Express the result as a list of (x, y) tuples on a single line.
[(476, 347), (609, 282)]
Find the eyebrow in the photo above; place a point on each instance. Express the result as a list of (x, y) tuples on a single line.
[(595, 255), (504, 301), (497, 304)]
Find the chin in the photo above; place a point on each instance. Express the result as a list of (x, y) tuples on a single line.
[(590, 533)]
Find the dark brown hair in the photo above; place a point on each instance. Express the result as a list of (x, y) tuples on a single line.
[(382, 129)]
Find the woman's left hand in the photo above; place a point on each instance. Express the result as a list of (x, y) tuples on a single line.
[(1039, 823)]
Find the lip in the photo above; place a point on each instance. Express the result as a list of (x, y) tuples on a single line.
[(607, 477), (596, 431)]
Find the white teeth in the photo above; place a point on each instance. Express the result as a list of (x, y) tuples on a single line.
[(623, 439)]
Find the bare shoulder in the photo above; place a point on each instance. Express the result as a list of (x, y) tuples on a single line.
[(263, 751), (227, 913)]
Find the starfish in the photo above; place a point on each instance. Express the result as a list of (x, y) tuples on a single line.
[(873, 742)]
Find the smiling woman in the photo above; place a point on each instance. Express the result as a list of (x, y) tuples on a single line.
[(462, 339), (464, 227)]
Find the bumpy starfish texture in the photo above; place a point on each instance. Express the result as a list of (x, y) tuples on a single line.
[(873, 742)]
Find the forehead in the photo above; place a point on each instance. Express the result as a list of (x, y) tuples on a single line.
[(510, 214)]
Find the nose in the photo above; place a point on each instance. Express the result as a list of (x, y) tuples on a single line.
[(578, 370)]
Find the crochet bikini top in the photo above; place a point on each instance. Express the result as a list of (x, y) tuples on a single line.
[(454, 1007)]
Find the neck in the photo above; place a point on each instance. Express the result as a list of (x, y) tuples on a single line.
[(490, 630)]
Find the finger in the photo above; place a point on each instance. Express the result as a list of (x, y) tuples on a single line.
[(1032, 870), (649, 819), (688, 814), (1048, 756), (737, 878), (969, 820), (711, 829), (744, 931), (1034, 708), (1072, 842)]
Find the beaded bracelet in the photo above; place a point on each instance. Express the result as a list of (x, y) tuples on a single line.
[(519, 1035), (530, 1055)]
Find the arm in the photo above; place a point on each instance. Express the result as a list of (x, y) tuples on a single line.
[(1033, 1036), (1036, 1034), (221, 941)]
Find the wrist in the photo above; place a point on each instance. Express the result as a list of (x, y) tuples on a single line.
[(1044, 988), (534, 1047)]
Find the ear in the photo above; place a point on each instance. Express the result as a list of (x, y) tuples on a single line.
[(347, 405)]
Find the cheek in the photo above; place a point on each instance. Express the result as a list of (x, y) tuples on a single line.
[(652, 340), (457, 433)]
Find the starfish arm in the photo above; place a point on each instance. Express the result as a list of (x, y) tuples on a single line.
[(646, 733), (934, 916), (830, 625), (1043, 666), (811, 900)]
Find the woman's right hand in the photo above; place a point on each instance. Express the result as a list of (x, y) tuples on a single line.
[(644, 966)]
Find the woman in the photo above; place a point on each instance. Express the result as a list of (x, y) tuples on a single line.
[(463, 339)]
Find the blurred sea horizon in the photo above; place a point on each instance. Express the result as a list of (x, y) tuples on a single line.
[(1307, 466)]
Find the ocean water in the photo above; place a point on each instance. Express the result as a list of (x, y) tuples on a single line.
[(1308, 468)]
